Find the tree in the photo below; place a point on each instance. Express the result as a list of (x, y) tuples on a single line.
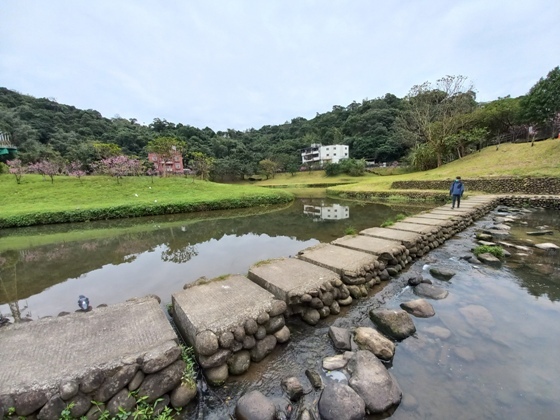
[(119, 166), (201, 164), (16, 168), (268, 167), (75, 169), (434, 114), (542, 103), (48, 168)]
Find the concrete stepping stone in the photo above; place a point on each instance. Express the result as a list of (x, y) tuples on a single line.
[(547, 246), (311, 291), (224, 315), (353, 267)]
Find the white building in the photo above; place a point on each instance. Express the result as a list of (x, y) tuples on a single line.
[(334, 212), (318, 153)]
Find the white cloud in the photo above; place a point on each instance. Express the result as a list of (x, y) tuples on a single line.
[(250, 63)]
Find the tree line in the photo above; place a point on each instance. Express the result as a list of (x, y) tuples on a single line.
[(434, 124)]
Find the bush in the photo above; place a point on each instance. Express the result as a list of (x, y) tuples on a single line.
[(352, 167), (4, 169)]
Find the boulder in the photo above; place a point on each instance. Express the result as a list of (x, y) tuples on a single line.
[(80, 405), (157, 384), (340, 337), (255, 406), (372, 382), (161, 356), (414, 281), (51, 410), (263, 348), (314, 379), (340, 402), (278, 307), (541, 233), (250, 326), (217, 375), (334, 362), (274, 323), (311, 316), (293, 388), (430, 291), (92, 381), (217, 359), (477, 316), (373, 341), (239, 363), (489, 259), (68, 389), (123, 400), (226, 339), (282, 335), (114, 384), (183, 395), (442, 273), (136, 381), (419, 308), (206, 343), (547, 246), (396, 324)]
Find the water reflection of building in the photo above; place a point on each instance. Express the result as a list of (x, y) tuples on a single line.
[(334, 212)]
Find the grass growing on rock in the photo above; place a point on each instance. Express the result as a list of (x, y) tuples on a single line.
[(496, 251)]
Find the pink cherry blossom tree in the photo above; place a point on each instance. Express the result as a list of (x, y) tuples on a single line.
[(16, 168), (119, 167)]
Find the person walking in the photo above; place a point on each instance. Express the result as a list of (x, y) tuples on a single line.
[(456, 191)]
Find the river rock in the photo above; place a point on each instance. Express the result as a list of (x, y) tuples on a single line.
[(218, 375), (335, 308), (419, 308), (263, 348), (345, 302), (226, 339), (465, 353), (430, 291), (206, 343), (250, 326), (373, 341), (314, 379), (239, 333), (324, 312), (161, 356), (373, 383), (29, 402), (540, 233), (121, 399), (489, 259), (484, 236), (50, 411), (477, 316), (354, 292), (278, 308), (293, 388), (159, 383), (115, 383), (282, 335), (255, 406), (340, 402), (311, 316), (414, 281), (340, 337), (263, 318), (80, 405), (68, 389), (217, 359), (396, 324), (274, 324), (239, 363), (249, 342), (261, 333), (439, 332), (136, 381), (92, 381), (442, 273), (547, 246), (334, 362), (487, 243), (183, 395), (306, 415)]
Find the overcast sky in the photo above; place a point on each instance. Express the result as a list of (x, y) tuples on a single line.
[(242, 64)]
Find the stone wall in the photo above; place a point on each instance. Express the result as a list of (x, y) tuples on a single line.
[(545, 202), (489, 185)]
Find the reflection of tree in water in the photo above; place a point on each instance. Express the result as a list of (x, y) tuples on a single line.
[(11, 296), (177, 250)]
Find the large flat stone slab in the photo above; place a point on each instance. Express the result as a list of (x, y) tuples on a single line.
[(413, 227), (429, 222), (41, 353), (219, 305), (288, 278), (408, 239), (437, 216), (344, 261), (383, 248)]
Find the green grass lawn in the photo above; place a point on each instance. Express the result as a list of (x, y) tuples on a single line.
[(35, 195)]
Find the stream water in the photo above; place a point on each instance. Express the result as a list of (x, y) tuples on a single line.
[(490, 352)]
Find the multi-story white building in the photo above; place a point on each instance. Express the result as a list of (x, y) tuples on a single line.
[(334, 212), (318, 153)]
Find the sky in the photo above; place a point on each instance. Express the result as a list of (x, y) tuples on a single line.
[(244, 64)]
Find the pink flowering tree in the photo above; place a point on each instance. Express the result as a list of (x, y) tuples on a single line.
[(16, 168), (75, 169), (46, 168), (119, 167)]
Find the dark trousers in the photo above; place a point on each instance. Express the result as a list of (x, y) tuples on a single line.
[(456, 198)]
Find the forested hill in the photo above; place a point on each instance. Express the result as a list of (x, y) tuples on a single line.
[(432, 125), (44, 128)]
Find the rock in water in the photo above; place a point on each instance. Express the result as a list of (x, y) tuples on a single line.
[(340, 337), (396, 324), (489, 259), (255, 406), (429, 291), (441, 273), (419, 308), (340, 402), (547, 246), (374, 341)]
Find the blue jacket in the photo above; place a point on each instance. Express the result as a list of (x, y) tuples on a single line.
[(457, 188)]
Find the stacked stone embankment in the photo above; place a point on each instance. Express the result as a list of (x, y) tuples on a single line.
[(531, 186), (230, 321), (98, 356)]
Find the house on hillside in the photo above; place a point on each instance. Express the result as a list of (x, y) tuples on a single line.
[(318, 153), (170, 165)]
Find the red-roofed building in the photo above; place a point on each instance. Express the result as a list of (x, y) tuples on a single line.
[(172, 164)]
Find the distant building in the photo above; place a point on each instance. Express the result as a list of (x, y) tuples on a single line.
[(334, 212), (318, 153), (172, 164)]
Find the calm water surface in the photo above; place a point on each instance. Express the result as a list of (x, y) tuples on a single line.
[(112, 261)]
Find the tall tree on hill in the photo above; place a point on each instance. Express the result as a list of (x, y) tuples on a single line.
[(542, 103)]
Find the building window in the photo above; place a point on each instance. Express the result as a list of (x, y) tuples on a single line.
[(176, 158), (154, 158), (177, 166), (334, 154), (345, 154)]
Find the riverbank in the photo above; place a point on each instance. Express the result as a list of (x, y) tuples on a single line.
[(36, 201)]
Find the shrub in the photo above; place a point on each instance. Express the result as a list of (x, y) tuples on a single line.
[(496, 251)]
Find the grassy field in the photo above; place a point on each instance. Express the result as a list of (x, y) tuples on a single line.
[(75, 200), (517, 160)]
